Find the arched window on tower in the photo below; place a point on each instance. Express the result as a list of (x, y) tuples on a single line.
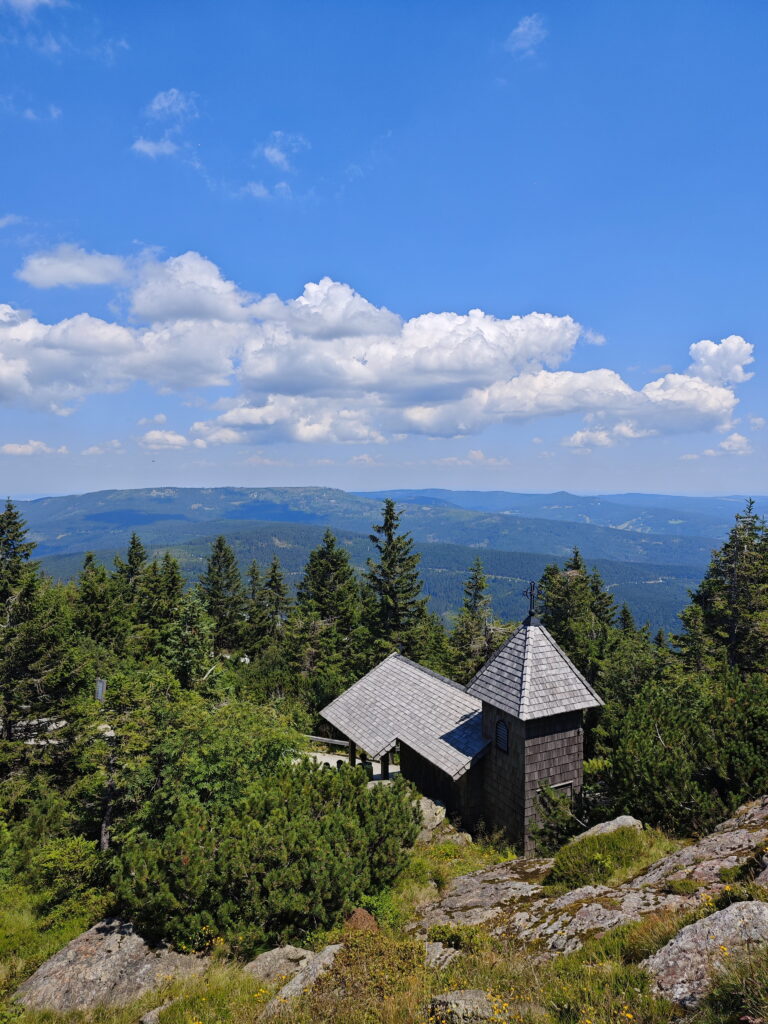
[(502, 736)]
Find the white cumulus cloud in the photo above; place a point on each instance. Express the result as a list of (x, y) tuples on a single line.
[(32, 448), (330, 365), (113, 447), (70, 266), (186, 287), (723, 362), (734, 444), (474, 457), (158, 440)]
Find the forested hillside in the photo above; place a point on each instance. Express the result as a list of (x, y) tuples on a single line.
[(650, 550), (551, 525), (655, 593)]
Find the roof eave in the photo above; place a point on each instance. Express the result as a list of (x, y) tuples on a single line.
[(470, 763)]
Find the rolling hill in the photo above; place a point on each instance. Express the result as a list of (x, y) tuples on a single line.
[(554, 526), (648, 548)]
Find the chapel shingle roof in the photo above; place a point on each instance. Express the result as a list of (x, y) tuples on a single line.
[(400, 700), (530, 677)]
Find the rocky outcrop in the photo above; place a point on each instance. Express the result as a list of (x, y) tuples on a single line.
[(435, 826), (511, 897), (683, 969), (605, 827), (464, 1006), (301, 981), (731, 845), (432, 816), (438, 955), (482, 895), (561, 924), (279, 964), (473, 1006), (109, 965), (153, 1016)]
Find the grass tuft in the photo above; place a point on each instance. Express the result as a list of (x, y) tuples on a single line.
[(609, 859)]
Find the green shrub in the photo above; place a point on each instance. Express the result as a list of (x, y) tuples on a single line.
[(682, 886), (385, 908), (66, 867), (611, 857), (635, 941), (6, 851), (469, 937), (740, 893), (300, 850)]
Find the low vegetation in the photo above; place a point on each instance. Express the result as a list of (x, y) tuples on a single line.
[(608, 859)]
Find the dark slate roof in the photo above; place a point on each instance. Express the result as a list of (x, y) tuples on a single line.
[(400, 700), (530, 677)]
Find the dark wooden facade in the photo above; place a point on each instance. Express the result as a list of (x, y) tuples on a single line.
[(545, 750), (464, 798)]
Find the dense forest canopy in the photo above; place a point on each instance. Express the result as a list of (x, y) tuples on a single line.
[(172, 790)]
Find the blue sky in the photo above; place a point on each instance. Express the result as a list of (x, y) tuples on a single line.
[(486, 245)]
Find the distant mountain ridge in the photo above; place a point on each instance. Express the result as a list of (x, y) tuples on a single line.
[(651, 549), (643, 513), (549, 524)]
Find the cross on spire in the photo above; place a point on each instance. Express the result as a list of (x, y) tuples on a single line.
[(530, 592)]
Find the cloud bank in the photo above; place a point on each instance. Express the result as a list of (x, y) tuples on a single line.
[(329, 365)]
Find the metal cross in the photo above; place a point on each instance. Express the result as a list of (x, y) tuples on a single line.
[(530, 593)]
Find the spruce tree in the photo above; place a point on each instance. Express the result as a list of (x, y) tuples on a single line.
[(171, 586), (578, 612), (626, 619), (129, 571), (326, 641), (35, 642), (99, 607), (733, 596), (699, 650), (276, 601), (189, 641), (329, 587), (159, 592), (15, 550), (254, 630), (476, 600), (35, 652), (472, 638), (223, 595), (394, 581)]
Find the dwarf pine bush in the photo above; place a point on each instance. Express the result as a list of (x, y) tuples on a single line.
[(298, 851)]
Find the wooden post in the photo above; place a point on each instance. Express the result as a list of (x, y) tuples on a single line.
[(385, 765), (352, 753)]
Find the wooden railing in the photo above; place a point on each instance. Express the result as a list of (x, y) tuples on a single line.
[(326, 739)]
